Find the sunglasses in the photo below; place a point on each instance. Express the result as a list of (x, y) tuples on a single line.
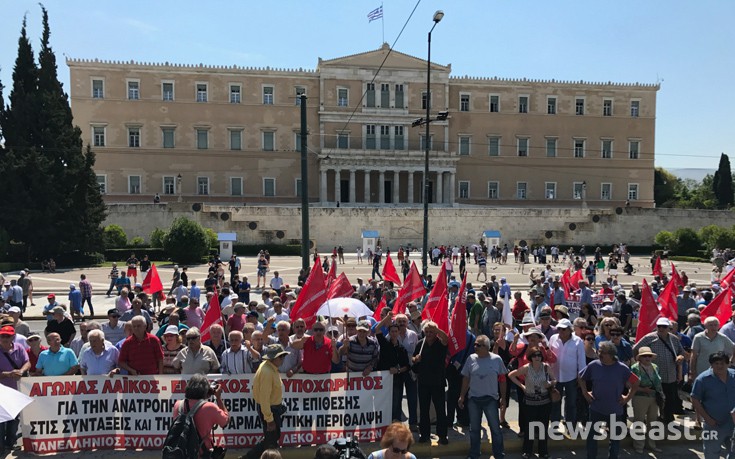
[(536, 355), (398, 450), (479, 345), (589, 339), (318, 330), (192, 338), (616, 334)]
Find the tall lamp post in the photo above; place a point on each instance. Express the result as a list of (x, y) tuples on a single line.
[(304, 188), (424, 251), (178, 186)]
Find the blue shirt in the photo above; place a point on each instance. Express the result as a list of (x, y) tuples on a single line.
[(75, 298), (101, 364), (56, 363), (717, 397), (195, 292), (608, 382), (585, 296)]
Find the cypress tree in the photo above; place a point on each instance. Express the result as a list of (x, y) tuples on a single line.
[(722, 183)]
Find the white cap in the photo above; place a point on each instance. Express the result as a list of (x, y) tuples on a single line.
[(663, 321), (564, 323)]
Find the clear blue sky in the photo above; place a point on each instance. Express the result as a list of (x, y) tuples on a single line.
[(686, 44)]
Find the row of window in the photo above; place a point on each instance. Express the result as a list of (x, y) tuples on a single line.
[(524, 103), (201, 91), (579, 190), (171, 186), (578, 146)]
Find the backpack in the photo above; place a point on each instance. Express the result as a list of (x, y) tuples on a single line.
[(182, 440)]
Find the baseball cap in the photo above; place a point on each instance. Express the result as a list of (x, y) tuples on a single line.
[(7, 330), (72, 286), (663, 321), (58, 309), (51, 296), (564, 323), (363, 325), (171, 330), (14, 309)]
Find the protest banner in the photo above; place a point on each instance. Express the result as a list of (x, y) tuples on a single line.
[(81, 413)]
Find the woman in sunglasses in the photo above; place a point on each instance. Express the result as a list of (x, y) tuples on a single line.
[(396, 443)]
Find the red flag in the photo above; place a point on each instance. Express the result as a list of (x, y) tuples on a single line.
[(389, 272), (649, 312), (413, 288), (332, 274), (458, 324), (675, 277), (566, 283), (383, 304), (720, 307), (667, 300), (727, 280), (437, 306), (657, 271), (574, 280), (312, 296), (152, 282), (213, 316), (341, 288)]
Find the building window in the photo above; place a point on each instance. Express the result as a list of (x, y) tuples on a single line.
[(464, 189), (464, 145), (98, 89), (235, 139), (342, 97), (385, 137), (522, 146), (203, 185), (578, 190), (606, 191), (297, 141), (167, 91), (297, 188), (134, 137), (493, 190), (370, 95), (398, 139), (493, 146), (607, 149), (202, 139), (370, 143), (521, 190), (550, 192), (133, 90), (551, 148), (578, 148), (102, 183), (385, 95), (343, 140), (300, 90), (464, 102), (236, 186), (269, 187), (551, 105), (269, 141), (169, 184), (134, 184), (579, 106), (494, 104), (522, 104), (399, 96), (607, 107), (633, 149), (202, 92), (235, 93), (632, 191), (634, 108), (267, 95), (424, 100), (98, 135), (422, 142), (168, 137)]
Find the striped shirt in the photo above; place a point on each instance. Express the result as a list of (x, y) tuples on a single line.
[(664, 357), (235, 362), (360, 357), (481, 261)]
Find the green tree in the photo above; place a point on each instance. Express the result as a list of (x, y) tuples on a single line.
[(722, 183), (665, 239), (115, 237), (665, 187), (186, 241), (156, 238), (212, 238), (687, 242)]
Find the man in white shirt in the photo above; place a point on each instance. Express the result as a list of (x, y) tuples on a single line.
[(570, 360), (277, 311), (276, 282), (409, 339)]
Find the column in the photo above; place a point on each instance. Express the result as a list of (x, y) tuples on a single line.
[(439, 184), (410, 187), (381, 187), (323, 187), (367, 187), (452, 188), (396, 194), (337, 191), (352, 185)]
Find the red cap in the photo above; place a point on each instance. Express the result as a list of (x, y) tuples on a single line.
[(51, 295), (7, 330)]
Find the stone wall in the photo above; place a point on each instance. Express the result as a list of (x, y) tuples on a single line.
[(331, 226)]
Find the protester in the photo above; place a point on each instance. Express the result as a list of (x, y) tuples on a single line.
[(56, 360), (319, 351), (100, 357), (428, 364), (234, 359), (171, 347), (34, 350), (61, 325), (208, 415), (195, 357), (394, 359), (13, 366), (645, 407), (20, 326), (707, 343), (141, 353), (396, 443), (216, 340), (712, 398), (361, 350), (569, 352)]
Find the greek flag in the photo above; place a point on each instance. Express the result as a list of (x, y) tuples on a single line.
[(377, 13)]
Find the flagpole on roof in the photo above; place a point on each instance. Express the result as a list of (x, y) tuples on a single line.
[(382, 22)]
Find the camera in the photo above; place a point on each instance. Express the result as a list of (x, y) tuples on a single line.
[(348, 448), (213, 386)]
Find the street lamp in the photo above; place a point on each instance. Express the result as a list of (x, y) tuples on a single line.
[(424, 262), (178, 186)]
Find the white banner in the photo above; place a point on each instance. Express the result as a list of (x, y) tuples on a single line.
[(78, 413)]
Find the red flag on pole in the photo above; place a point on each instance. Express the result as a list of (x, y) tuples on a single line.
[(726, 281), (152, 282), (332, 274), (667, 300), (566, 283), (720, 307), (383, 303), (413, 288), (213, 316), (576, 277), (389, 271), (649, 312), (437, 306), (312, 296), (657, 271), (458, 323), (675, 277), (341, 288)]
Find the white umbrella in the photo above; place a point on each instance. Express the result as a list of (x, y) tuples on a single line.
[(13, 403), (340, 307)]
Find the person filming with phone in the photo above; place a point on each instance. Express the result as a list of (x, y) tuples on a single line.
[(208, 415)]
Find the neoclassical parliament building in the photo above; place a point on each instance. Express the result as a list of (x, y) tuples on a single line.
[(231, 135)]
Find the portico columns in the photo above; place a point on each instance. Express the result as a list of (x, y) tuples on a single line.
[(352, 185), (396, 195), (410, 187), (323, 187), (337, 190), (439, 191), (367, 187), (381, 187)]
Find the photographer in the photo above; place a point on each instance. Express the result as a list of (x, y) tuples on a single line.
[(209, 415)]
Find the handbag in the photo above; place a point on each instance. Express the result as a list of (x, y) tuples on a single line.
[(553, 391), (660, 400)]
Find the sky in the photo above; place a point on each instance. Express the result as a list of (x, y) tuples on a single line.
[(687, 46)]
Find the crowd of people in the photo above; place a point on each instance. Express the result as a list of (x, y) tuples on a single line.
[(553, 365)]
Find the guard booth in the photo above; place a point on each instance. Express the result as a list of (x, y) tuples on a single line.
[(226, 243), (491, 238), (369, 240)]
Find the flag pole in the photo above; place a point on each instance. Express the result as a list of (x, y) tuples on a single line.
[(382, 22)]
